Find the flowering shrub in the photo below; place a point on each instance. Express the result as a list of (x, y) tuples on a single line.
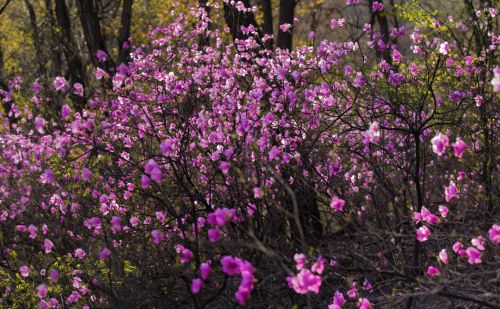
[(201, 176)]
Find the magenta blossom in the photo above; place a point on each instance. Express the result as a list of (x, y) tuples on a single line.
[(60, 83), (196, 285), (433, 271), (459, 147), (79, 253), (423, 233), (205, 270), (494, 234), (474, 255), (305, 281), (377, 6), (24, 271), (78, 89), (479, 242), (451, 192), (337, 204), (300, 261), (439, 144), (104, 254)]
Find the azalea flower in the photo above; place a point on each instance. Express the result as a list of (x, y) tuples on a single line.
[(494, 234), (423, 233), (451, 192), (459, 147), (474, 255), (443, 256), (24, 271), (337, 204), (439, 144), (433, 271)]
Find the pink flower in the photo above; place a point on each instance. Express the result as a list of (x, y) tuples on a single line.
[(443, 211), (54, 275), (86, 174), (60, 83), (42, 290), (479, 242), (100, 73), (104, 254), (168, 146), (73, 297), (48, 245), (458, 248), (353, 292), (33, 231), (423, 233), (24, 271), (305, 281), (338, 300), (443, 256), (439, 144), (196, 285), (157, 237), (319, 266), (65, 111), (474, 255), (426, 216), (372, 134), (451, 192), (224, 167), (257, 192), (433, 271), (337, 204), (101, 55), (145, 181), (134, 221), (186, 256), (300, 260), (459, 147), (78, 89), (364, 303), (39, 124), (285, 27), (352, 2), (153, 170), (79, 253), (494, 234), (116, 224), (230, 265), (377, 6), (444, 48), (205, 270), (213, 235)]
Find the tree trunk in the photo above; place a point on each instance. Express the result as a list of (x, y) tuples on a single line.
[(75, 71), (287, 13), (55, 52), (235, 19), (123, 38), (267, 27), (35, 35), (92, 32)]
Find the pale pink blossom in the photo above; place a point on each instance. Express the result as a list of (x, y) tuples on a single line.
[(423, 233), (439, 144), (443, 256)]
